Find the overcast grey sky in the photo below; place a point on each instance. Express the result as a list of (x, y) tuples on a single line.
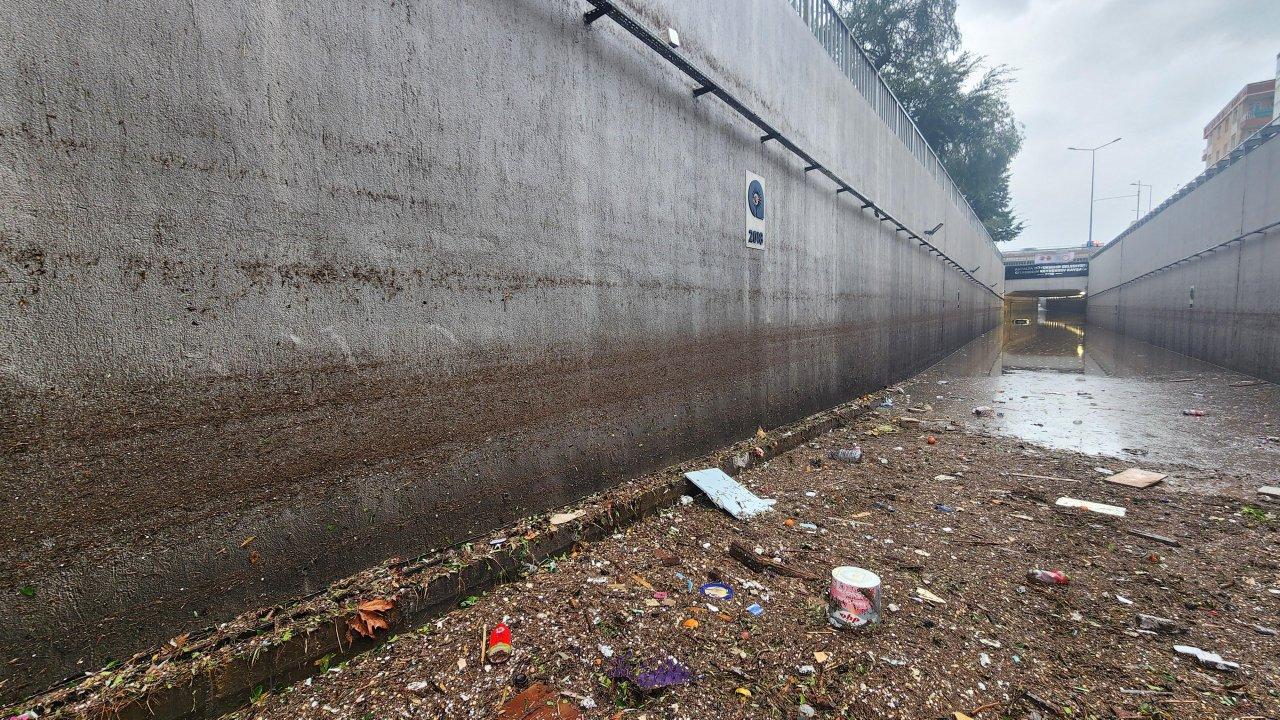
[(1151, 71)]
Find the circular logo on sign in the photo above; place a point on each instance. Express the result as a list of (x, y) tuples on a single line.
[(755, 199)]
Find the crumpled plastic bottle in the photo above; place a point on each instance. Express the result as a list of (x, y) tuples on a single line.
[(1048, 577)]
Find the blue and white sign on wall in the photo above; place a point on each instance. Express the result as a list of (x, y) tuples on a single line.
[(755, 211)]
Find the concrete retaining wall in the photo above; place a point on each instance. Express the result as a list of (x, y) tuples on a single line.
[(293, 287), (1233, 317)]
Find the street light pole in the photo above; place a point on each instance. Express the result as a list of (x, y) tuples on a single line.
[(1138, 208), (1093, 166)]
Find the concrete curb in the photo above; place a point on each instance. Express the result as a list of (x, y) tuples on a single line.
[(220, 673)]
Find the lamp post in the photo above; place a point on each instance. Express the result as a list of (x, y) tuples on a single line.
[(1093, 166), (1138, 209)]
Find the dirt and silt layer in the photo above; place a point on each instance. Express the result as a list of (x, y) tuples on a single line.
[(962, 519)]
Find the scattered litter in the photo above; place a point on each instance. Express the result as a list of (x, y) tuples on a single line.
[(651, 676), (686, 499), (728, 494), (1104, 471), (806, 669), (1269, 491), (417, 687), (931, 440), (562, 518), (1153, 623), (983, 411), (941, 507), (687, 581), (739, 552), (1123, 600), (945, 478), (1091, 506), (719, 591), (1136, 478), (929, 597), (807, 710), (854, 598), (1157, 538), (1048, 577), (499, 644), (538, 703), (886, 403), (1208, 659), (689, 624), (587, 703), (605, 650), (1193, 413), (984, 659), (1263, 630), (849, 455), (755, 609)]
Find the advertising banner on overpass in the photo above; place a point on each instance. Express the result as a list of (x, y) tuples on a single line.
[(1046, 270)]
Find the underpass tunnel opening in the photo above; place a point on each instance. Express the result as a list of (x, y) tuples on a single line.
[(1030, 307)]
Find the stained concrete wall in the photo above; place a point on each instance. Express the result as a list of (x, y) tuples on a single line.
[(1234, 318), (355, 281)]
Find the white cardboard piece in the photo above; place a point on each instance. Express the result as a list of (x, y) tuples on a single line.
[(728, 494), (1091, 506)]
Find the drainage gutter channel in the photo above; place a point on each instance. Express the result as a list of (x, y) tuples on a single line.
[(220, 672)]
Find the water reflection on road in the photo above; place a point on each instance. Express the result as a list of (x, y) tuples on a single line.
[(1067, 385)]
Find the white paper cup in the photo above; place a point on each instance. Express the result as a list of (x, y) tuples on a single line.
[(854, 598)]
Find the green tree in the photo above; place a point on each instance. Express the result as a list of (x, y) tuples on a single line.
[(960, 108)]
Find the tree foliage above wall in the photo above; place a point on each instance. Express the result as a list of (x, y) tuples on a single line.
[(961, 108)]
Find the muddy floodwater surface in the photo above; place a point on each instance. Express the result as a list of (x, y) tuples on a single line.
[(1067, 385)]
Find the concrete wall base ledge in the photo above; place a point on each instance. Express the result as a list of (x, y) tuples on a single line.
[(217, 672)]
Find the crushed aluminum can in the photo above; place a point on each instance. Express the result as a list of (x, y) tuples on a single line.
[(855, 598)]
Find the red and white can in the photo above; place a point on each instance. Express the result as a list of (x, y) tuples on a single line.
[(855, 598), (499, 644)]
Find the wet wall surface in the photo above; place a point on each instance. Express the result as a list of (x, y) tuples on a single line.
[(1065, 384), (290, 288), (1215, 254)]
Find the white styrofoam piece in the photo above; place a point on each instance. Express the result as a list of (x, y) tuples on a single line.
[(1091, 506), (728, 494)]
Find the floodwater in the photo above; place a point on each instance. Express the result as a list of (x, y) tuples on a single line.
[(1063, 384)]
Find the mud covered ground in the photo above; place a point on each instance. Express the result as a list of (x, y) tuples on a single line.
[(962, 519)]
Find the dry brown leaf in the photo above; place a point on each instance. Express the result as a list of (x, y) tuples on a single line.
[(369, 617)]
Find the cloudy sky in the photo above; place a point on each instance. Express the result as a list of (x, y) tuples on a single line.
[(1153, 72)]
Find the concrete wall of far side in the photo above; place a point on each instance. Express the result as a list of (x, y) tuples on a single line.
[(290, 288), (1232, 318)]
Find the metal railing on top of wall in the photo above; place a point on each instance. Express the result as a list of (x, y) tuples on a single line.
[(839, 42), (1260, 137)]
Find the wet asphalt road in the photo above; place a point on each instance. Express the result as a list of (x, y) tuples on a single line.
[(1063, 384)]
